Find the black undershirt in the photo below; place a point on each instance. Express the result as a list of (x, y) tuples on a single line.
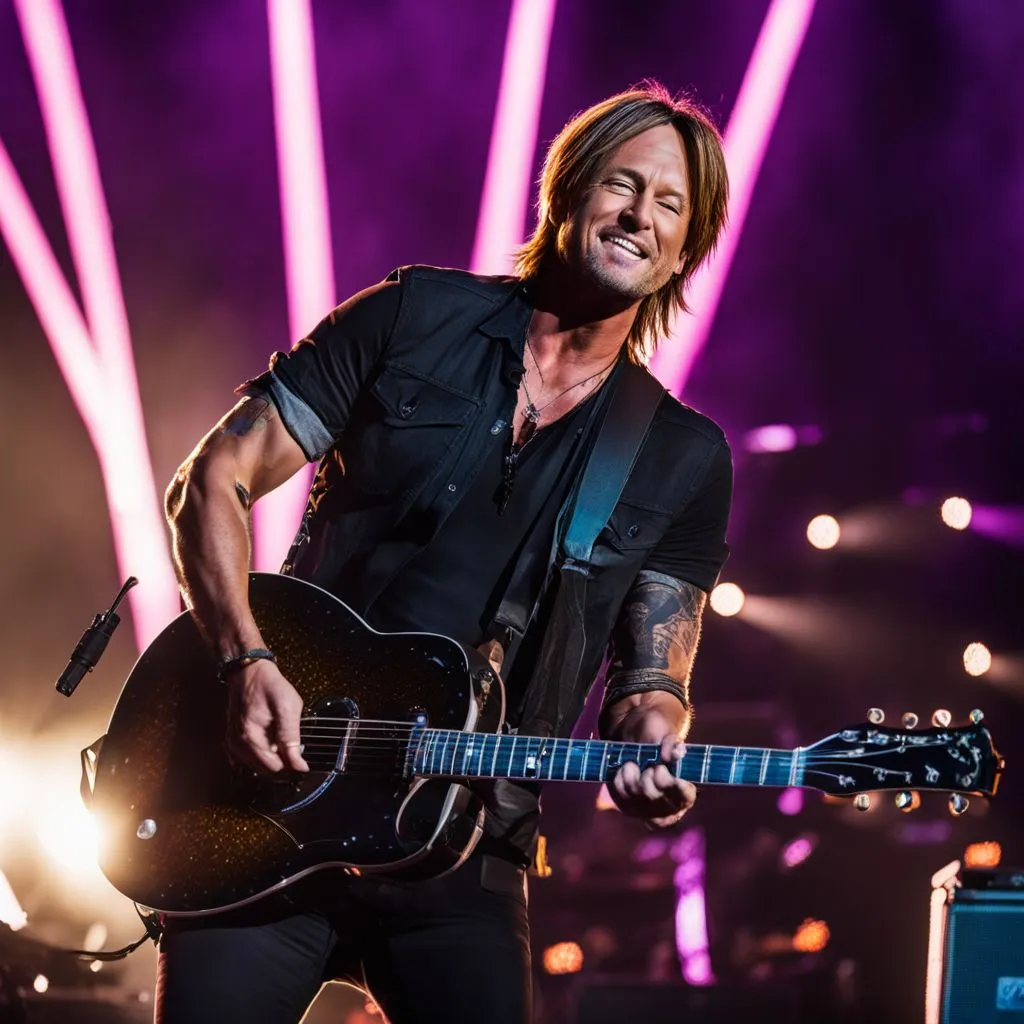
[(480, 547)]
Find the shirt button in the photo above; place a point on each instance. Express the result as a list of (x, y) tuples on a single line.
[(633, 530), (452, 487), (498, 426)]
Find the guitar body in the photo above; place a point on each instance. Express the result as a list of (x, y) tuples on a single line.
[(185, 831)]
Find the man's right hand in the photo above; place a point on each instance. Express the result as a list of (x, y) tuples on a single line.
[(264, 710)]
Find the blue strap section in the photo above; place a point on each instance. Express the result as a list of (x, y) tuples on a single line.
[(625, 426)]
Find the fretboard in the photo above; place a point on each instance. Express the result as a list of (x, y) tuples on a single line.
[(453, 754)]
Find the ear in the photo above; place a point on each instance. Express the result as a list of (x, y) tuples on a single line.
[(680, 263)]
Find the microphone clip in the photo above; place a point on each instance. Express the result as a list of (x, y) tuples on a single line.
[(93, 643)]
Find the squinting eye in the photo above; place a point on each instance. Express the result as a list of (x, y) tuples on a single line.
[(618, 183), (669, 206)]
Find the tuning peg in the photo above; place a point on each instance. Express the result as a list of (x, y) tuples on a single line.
[(876, 716), (908, 800), (910, 720), (976, 716), (958, 803), (941, 717), (862, 801)]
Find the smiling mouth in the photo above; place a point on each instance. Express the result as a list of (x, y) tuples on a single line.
[(625, 245)]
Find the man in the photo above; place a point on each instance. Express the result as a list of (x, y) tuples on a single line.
[(451, 415)]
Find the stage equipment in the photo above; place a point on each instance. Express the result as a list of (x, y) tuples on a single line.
[(94, 641), (976, 946)]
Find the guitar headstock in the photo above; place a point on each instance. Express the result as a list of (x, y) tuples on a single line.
[(866, 758)]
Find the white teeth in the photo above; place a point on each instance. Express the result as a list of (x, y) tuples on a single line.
[(624, 243)]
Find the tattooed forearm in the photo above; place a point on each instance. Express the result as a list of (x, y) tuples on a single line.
[(658, 629), (252, 414)]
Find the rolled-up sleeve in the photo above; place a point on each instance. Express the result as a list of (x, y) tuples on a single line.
[(316, 384)]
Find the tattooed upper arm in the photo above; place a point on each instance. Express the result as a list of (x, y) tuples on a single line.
[(252, 413), (249, 451), (655, 638)]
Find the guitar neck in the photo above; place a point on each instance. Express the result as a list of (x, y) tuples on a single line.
[(450, 753)]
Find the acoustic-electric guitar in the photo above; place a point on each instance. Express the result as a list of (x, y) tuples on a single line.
[(394, 727)]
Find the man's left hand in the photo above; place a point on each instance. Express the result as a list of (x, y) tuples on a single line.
[(654, 794)]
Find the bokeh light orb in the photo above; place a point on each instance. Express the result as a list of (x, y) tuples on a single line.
[(727, 599), (563, 958), (811, 937), (823, 532), (956, 513), (977, 659), (983, 855)]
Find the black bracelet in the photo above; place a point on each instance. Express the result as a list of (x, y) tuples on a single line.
[(245, 658)]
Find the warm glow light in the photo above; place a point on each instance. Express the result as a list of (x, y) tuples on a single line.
[(41, 983), (11, 913), (96, 966), (563, 958), (977, 659), (983, 855), (811, 937), (956, 513), (823, 532), (727, 599), (604, 800), (68, 834)]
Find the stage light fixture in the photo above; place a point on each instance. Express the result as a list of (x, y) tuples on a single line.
[(41, 983), (977, 659), (823, 532), (956, 513), (727, 599), (563, 958), (983, 855), (811, 937)]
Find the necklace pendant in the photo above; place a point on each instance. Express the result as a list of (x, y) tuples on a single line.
[(531, 412)]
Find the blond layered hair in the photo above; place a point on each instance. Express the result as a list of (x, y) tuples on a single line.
[(572, 163)]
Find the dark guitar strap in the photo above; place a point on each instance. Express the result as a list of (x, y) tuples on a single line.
[(585, 513)]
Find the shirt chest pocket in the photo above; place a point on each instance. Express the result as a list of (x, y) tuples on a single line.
[(412, 422), (632, 530)]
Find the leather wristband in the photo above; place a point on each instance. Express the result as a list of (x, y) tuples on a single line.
[(230, 665)]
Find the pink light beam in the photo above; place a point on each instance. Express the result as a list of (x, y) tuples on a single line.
[(691, 912), (139, 534), (506, 192), (305, 219), (746, 140)]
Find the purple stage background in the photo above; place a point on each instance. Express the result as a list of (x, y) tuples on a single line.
[(875, 295)]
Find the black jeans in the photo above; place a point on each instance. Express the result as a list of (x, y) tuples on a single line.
[(450, 949)]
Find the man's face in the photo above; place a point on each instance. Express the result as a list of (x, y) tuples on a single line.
[(627, 233)]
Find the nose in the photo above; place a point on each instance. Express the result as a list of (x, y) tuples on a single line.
[(639, 214)]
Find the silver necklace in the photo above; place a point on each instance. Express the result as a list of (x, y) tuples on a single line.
[(531, 414)]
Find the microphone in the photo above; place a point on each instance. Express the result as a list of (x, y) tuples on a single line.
[(94, 642)]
